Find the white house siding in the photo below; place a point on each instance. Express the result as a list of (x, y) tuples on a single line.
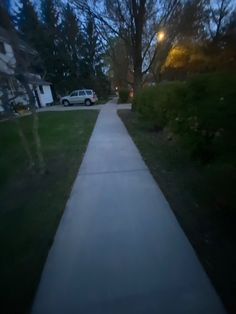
[(7, 60), (45, 97)]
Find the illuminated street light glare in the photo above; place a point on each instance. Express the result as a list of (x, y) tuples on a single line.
[(160, 36)]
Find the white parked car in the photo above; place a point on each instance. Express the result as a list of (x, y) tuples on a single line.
[(81, 96)]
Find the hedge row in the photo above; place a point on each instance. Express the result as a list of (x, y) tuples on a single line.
[(202, 113)]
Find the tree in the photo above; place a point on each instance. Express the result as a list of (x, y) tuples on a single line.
[(185, 59), (92, 58), (119, 64), (5, 20), (219, 12), (229, 36), (70, 46), (190, 20), (195, 51), (29, 24), (132, 19), (136, 23), (30, 29), (5, 4), (184, 28), (49, 50)]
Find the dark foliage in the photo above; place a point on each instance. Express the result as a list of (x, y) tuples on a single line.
[(123, 95), (201, 112), (71, 53)]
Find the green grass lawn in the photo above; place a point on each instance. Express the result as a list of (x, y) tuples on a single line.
[(32, 205), (182, 181)]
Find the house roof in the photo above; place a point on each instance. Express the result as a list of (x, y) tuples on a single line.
[(39, 82), (36, 79)]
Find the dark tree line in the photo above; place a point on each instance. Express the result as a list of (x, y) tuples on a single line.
[(132, 27), (68, 44), (78, 40)]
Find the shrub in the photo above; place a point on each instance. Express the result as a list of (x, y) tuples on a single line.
[(210, 104), (123, 95), (145, 102), (160, 104), (201, 111)]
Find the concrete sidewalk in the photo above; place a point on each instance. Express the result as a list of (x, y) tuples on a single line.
[(119, 248)]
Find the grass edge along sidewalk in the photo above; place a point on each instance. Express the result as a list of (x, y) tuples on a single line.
[(31, 205)]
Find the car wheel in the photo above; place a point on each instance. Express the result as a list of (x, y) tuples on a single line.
[(88, 102), (66, 103)]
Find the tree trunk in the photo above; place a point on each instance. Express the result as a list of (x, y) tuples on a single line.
[(35, 129), (138, 9), (38, 145), (137, 59), (137, 80), (25, 144), (20, 132)]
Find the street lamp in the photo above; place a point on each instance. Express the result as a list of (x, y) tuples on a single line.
[(160, 36)]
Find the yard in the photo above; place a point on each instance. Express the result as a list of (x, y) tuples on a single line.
[(209, 229), (32, 205)]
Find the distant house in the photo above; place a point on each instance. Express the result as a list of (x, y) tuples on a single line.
[(41, 88)]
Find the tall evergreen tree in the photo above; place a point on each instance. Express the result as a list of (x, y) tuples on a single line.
[(70, 46), (91, 48), (50, 41), (29, 24), (5, 4), (49, 16), (71, 57), (5, 20), (92, 58)]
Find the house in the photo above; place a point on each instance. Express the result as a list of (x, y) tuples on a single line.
[(42, 89), (7, 58)]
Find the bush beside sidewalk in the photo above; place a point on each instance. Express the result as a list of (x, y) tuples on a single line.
[(201, 113)]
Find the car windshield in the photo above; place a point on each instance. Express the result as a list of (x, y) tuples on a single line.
[(89, 92)]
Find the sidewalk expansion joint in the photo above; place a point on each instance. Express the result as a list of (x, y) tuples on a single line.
[(111, 172)]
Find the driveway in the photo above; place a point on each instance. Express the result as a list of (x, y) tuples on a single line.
[(70, 108)]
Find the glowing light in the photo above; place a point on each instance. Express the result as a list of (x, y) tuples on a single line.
[(161, 36)]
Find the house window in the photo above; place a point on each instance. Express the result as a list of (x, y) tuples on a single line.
[(2, 48), (41, 89)]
